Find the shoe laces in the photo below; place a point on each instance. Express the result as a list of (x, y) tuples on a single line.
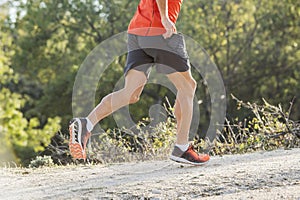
[(76, 132), (192, 150)]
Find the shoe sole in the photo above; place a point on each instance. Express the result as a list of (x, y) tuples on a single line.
[(76, 150), (184, 161)]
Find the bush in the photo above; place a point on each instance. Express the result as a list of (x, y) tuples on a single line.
[(39, 161), (267, 128), (125, 145)]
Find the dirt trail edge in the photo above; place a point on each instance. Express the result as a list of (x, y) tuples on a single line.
[(260, 175)]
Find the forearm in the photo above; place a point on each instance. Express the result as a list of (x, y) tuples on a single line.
[(165, 20), (163, 8)]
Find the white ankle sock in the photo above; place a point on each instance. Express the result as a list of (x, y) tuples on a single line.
[(183, 147), (89, 125)]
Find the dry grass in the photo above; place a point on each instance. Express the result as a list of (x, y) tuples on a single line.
[(268, 127)]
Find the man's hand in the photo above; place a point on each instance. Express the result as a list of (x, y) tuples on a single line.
[(169, 26), (165, 20)]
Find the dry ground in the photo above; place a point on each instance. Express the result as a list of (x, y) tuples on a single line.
[(260, 175)]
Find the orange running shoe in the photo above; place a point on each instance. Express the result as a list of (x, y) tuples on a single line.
[(79, 137), (189, 156)]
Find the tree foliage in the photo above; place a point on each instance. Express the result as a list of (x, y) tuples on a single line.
[(21, 137), (255, 44)]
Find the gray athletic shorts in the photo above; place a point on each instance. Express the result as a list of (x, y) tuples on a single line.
[(167, 55)]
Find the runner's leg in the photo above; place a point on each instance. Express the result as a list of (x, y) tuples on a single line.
[(134, 84), (186, 86)]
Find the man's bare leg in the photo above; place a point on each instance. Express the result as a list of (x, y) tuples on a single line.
[(186, 86), (134, 84), (80, 128)]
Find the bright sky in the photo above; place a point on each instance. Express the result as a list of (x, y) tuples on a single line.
[(2, 1), (11, 11)]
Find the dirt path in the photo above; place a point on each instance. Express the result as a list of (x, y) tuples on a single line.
[(262, 175)]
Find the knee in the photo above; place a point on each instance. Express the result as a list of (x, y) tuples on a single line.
[(193, 85), (134, 98), (189, 88)]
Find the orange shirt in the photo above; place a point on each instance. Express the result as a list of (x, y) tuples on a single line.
[(146, 20)]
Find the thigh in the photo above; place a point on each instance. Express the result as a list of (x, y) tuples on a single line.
[(182, 80), (135, 81)]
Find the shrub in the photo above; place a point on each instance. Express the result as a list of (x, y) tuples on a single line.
[(267, 128), (125, 145), (39, 161)]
